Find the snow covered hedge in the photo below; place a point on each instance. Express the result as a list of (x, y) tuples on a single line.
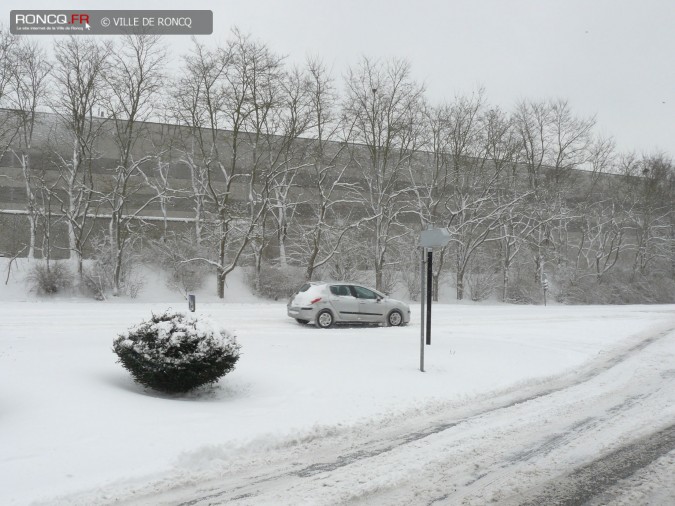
[(175, 352)]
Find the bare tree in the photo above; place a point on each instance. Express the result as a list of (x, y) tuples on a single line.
[(324, 190), (281, 113), (482, 154), (602, 238), (532, 119), (503, 148), (8, 70), (602, 160), (228, 88), (45, 191), (433, 187), (29, 91), (384, 105), (648, 185), (198, 98), (78, 93), (166, 146), (134, 80), (571, 141), (287, 154), (554, 144)]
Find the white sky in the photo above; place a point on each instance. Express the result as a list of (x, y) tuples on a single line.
[(612, 58)]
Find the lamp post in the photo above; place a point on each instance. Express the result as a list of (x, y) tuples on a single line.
[(373, 124), (429, 239)]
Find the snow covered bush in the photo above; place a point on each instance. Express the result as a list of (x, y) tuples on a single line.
[(173, 254), (175, 352), (49, 278), (274, 282)]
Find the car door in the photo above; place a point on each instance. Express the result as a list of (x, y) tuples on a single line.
[(344, 302), (370, 307)]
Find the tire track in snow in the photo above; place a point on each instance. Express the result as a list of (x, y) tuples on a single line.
[(344, 460), (588, 481), (264, 481), (371, 449)]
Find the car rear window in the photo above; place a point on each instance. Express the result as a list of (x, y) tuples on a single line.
[(304, 298), (304, 287)]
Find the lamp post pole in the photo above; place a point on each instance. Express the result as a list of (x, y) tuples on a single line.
[(429, 239), (422, 295), (430, 282)]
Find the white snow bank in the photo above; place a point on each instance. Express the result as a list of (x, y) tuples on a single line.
[(71, 418), (15, 287)]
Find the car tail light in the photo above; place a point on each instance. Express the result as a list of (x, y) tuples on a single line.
[(315, 300)]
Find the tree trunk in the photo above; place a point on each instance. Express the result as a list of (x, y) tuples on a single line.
[(460, 284), (221, 261), (258, 269), (30, 205), (378, 277), (672, 244), (198, 223), (75, 252), (538, 267), (505, 285), (283, 262), (220, 284), (31, 245), (436, 275)]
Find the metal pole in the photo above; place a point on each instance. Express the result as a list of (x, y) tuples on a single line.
[(422, 292), (430, 281)]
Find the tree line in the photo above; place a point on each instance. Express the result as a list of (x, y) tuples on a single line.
[(335, 176)]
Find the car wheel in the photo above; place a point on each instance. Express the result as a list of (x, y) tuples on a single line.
[(324, 319), (395, 318), (302, 322)]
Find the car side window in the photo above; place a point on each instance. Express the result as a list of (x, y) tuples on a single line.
[(341, 290), (364, 293)]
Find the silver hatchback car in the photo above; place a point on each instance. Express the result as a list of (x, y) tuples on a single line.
[(340, 302)]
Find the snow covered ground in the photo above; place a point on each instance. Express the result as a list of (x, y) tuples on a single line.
[(71, 418)]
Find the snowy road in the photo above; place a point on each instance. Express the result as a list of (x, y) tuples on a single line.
[(604, 432)]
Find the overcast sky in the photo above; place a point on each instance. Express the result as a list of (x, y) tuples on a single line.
[(611, 58)]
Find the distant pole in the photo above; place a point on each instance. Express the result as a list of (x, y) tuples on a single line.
[(192, 302), (422, 293), (430, 281)]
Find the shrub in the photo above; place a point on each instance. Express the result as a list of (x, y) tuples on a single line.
[(99, 276), (93, 284), (174, 352), (49, 279), (481, 283), (173, 253), (275, 282), (524, 290), (187, 277), (617, 288)]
